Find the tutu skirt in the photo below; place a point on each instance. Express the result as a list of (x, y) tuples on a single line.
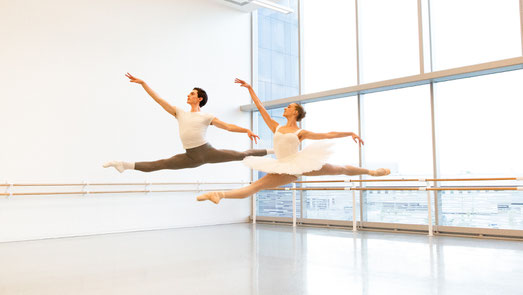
[(311, 158)]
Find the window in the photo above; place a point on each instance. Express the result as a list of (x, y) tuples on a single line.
[(468, 32), (397, 134), (278, 53), (476, 120), (388, 38), (478, 124), (329, 47)]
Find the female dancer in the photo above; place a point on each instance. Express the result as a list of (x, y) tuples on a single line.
[(193, 126), (290, 163)]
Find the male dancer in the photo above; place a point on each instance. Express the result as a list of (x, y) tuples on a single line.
[(192, 127)]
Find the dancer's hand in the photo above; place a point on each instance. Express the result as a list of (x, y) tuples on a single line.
[(253, 136), (134, 79), (357, 139), (242, 83)]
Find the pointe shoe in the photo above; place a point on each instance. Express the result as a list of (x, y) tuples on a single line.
[(380, 172), (116, 164), (214, 197)]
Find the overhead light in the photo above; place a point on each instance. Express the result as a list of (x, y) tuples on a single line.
[(273, 6)]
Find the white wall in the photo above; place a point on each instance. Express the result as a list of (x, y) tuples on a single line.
[(66, 107)]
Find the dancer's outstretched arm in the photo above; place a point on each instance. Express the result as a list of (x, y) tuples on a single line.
[(165, 105), (234, 128), (265, 115), (312, 135)]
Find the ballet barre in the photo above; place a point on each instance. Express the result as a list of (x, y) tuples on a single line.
[(10, 189), (307, 181), (118, 183), (86, 188), (104, 192), (426, 187), (421, 188), (412, 180)]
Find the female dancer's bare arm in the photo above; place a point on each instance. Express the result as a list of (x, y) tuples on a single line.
[(312, 135), (265, 115), (165, 105)]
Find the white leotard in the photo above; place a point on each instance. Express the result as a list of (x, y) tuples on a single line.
[(286, 144), (289, 159)]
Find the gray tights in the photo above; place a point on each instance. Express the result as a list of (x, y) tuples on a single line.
[(197, 156)]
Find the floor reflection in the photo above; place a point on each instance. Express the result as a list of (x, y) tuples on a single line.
[(261, 259)]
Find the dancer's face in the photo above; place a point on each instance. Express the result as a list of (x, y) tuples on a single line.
[(290, 111), (192, 98)]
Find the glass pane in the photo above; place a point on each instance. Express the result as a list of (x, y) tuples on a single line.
[(389, 46), (330, 205), (468, 32), (329, 45), (397, 133), (325, 116), (407, 207), (278, 65), (484, 209), (276, 203), (478, 124)]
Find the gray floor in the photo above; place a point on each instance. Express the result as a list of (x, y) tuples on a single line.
[(261, 259)]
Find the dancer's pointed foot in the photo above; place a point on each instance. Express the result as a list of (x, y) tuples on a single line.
[(214, 197), (379, 172), (116, 164), (120, 166)]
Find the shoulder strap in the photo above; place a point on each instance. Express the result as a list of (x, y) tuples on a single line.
[(297, 131), (277, 128)]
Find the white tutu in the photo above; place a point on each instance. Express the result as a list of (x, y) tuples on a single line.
[(311, 158)]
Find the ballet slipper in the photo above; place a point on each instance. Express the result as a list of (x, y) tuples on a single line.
[(117, 165), (214, 197), (379, 172)]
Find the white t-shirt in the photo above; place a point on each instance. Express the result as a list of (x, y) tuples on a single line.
[(193, 126)]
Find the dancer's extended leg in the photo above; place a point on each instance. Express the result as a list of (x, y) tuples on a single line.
[(218, 156), (329, 169), (266, 182), (193, 157), (179, 161)]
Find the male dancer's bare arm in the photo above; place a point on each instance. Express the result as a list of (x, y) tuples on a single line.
[(165, 105), (312, 135), (234, 128), (265, 115)]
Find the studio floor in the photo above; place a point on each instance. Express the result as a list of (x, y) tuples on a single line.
[(261, 259)]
